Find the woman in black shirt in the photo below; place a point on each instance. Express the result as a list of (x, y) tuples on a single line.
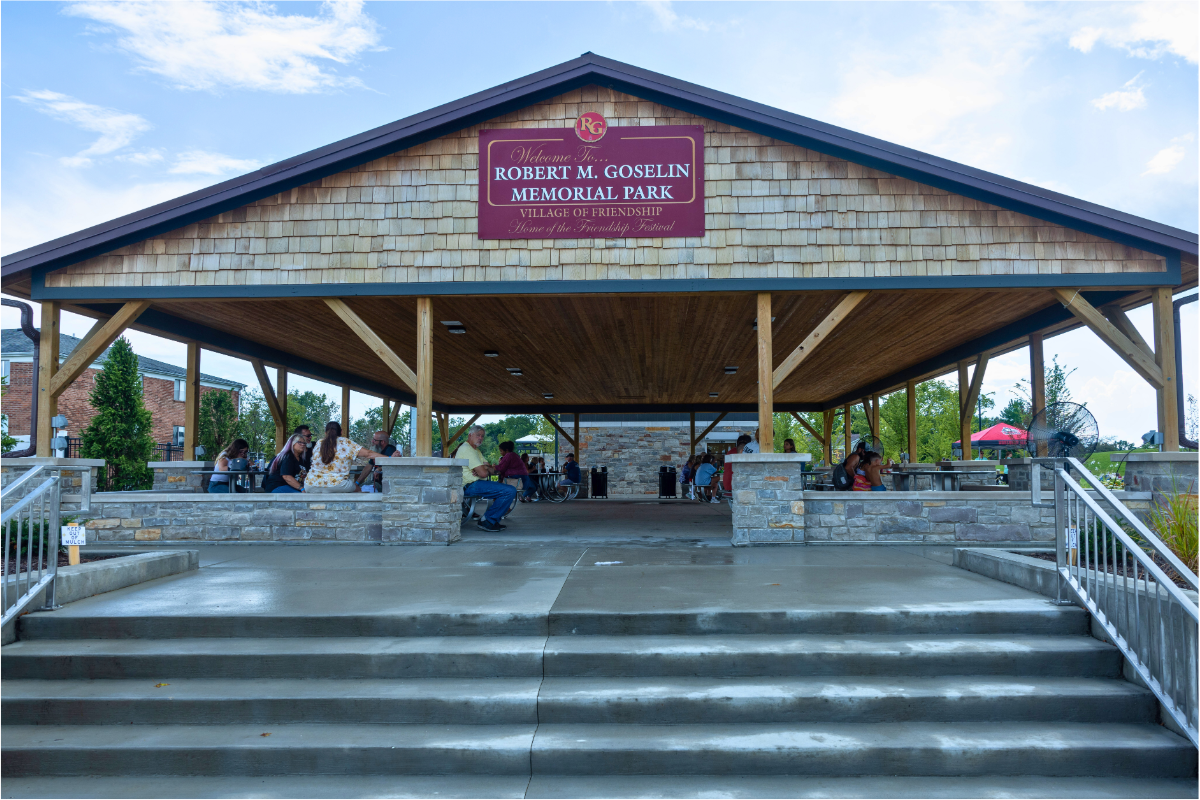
[(289, 468)]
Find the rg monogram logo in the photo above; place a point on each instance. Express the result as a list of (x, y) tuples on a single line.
[(591, 126)]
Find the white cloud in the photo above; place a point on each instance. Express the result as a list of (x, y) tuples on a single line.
[(63, 201), (1127, 98), (1168, 158), (116, 129), (195, 162), (1147, 30), (218, 45), (142, 158), (668, 20)]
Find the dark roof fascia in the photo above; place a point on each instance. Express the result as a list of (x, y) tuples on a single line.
[(590, 69)]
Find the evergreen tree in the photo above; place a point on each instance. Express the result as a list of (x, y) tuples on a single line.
[(120, 433), (255, 423)]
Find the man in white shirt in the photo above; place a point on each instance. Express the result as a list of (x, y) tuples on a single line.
[(476, 483), (752, 447)]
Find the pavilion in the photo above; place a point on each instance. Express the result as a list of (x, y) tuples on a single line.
[(819, 267)]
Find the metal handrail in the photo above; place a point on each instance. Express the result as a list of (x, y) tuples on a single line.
[(1151, 621), (1161, 549), (22, 480), (44, 504)]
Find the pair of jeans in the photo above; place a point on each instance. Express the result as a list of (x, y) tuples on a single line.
[(501, 495), (218, 488), (285, 489), (527, 483)]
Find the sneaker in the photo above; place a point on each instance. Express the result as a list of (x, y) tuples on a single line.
[(715, 500), (535, 499), (484, 525)]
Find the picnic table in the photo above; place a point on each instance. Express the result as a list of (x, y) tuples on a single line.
[(249, 474), (940, 480)]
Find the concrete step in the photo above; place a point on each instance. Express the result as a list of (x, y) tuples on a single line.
[(355, 657), (493, 701), (259, 750), (907, 748), (478, 701), (669, 701), (590, 786), (57, 625), (756, 655), (789, 786), (1029, 616)]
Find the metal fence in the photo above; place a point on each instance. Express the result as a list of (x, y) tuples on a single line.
[(30, 521), (164, 451), (1104, 564)]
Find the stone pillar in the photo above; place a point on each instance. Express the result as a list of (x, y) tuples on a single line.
[(1020, 475), (422, 499), (1159, 472), (768, 498), (69, 469), (176, 476)]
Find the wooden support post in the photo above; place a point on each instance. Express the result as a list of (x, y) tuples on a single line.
[(827, 445), (391, 420), (95, 343), (576, 437), (1164, 357), (964, 419), (697, 439), (875, 416), (692, 435), (1037, 383), (424, 411), (443, 424), (191, 401), (346, 410), (766, 384), (846, 427), (281, 396), (272, 400), (911, 399), (385, 416), (47, 367)]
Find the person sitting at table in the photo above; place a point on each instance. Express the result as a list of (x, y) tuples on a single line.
[(753, 446), (706, 480), (476, 483), (727, 473), (287, 470), (685, 476), (789, 446), (333, 459), (570, 472), (381, 442), (220, 484), (512, 467), (873, 469)]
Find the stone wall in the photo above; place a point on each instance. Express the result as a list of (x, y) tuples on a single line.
[(1161, 472), (772, 209), (768, 499), (926, 517), (422, 499), (179, 476)]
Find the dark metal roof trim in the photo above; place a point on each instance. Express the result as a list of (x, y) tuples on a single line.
[(592, 69)]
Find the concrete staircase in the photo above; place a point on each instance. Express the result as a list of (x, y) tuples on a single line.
[(874, 703)]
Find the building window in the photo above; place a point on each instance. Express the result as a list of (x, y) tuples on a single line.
[(177, 436), (180, 391), (4, 370)]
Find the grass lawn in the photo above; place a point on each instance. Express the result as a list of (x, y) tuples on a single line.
[(1101, 463)]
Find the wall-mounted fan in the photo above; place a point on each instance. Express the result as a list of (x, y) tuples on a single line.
[(1063, 430)]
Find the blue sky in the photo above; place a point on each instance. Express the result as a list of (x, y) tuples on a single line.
[(110, 107)]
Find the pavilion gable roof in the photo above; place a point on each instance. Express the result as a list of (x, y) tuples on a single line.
[(590, 69)]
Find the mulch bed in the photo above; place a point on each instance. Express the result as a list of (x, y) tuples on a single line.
[(1121, 569), (62, 561)]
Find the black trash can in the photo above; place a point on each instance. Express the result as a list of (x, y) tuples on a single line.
[(599, 482), (666, 481)]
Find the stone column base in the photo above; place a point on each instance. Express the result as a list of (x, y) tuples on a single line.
[(176, 476), (768, 498), (422, 500)]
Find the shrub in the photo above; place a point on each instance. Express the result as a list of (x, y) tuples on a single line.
[(1173, 518), (120, 431)]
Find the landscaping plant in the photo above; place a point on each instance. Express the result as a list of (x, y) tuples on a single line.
[(1173, 519), (120, 433)]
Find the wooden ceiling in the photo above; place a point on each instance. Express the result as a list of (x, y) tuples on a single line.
[(626, 350)]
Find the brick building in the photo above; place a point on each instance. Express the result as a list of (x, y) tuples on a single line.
[(162, 388)]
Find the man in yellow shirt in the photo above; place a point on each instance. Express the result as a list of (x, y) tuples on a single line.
[(477, 485)]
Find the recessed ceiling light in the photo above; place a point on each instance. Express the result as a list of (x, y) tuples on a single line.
[(514, 371), (491, 353), (451, 323), (548, 396), (459, 329), (712, 394), (731, 370)]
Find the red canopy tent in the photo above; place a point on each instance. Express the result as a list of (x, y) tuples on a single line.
[(1000, 436)]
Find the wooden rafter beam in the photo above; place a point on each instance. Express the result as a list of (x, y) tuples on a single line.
[(94, 343), (976, 386), (1115, 315), (561, 432), (264, 383), (391, 421), (811, 431), (818, 335), (1131, 353), (708, 430), (466, 425), (372, 340)]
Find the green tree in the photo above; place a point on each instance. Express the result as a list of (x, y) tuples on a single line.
[(218, 422), (1056, 386), (120, 432), (314, 410), (1015, 414), (255, 423), (6, 442)]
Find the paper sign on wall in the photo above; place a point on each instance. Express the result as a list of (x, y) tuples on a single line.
[(73, 536)]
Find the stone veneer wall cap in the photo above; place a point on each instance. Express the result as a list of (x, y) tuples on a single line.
[(421, 461), (178, 464), (1184, 457), (53, 462), (768, 458), (238, 497)]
